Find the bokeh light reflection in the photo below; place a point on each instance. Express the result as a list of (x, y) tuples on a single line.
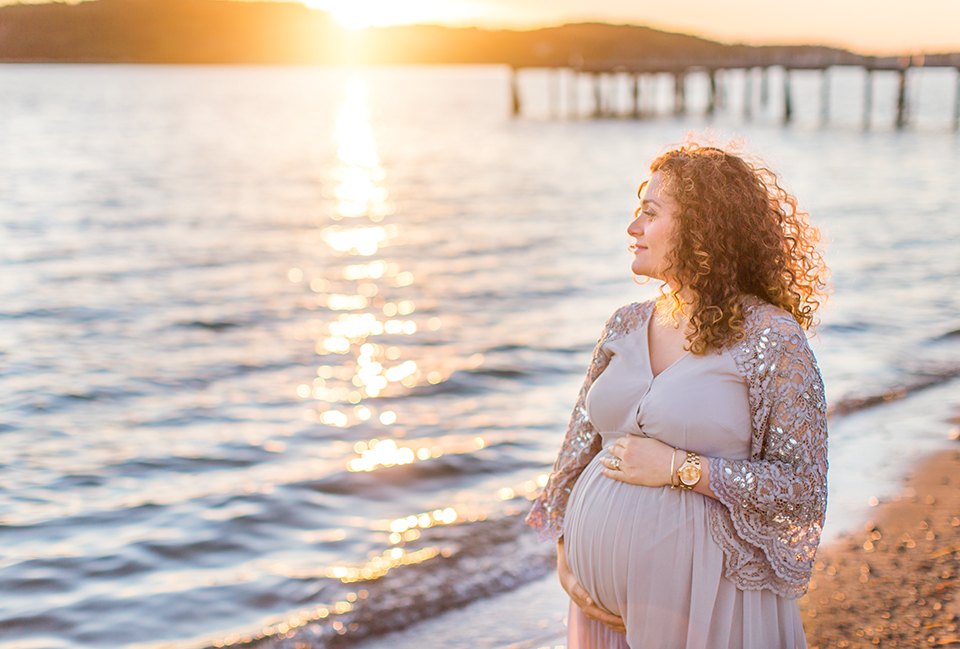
[(378, 566), (357, 296)]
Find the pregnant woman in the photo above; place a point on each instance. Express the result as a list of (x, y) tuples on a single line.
[(689, 494)]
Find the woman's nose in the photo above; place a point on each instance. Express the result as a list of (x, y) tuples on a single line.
[(635, 227)]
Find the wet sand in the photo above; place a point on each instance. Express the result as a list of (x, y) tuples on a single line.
[(894, 583)]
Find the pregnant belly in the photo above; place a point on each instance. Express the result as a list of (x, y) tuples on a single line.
[(625, 542)]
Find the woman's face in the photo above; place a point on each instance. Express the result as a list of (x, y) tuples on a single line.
[(652, 229)]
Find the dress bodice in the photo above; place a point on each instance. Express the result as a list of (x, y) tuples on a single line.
[(699, 403)]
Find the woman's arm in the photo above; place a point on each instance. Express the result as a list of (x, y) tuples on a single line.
[(581, 443), (777, 499)]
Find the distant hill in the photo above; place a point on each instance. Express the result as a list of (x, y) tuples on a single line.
[(220, 31), (161, 31)]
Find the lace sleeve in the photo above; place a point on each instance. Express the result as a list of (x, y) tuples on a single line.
[(582, 441), (777, 499)]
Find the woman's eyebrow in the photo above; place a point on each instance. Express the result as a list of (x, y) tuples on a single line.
[(642, 186)]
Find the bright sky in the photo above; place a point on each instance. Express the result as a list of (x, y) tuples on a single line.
[(867, 26)]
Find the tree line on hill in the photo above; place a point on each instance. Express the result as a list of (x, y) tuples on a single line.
[(231, 32)]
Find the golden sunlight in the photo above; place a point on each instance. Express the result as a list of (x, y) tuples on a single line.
[(359, 14)]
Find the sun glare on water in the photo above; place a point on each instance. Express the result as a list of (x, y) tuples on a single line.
[(358, 14)]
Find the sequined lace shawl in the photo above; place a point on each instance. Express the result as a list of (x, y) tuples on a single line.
[(770, 508)]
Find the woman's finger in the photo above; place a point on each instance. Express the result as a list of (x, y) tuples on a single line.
[(619, 627), (614, 475), (607, 619), (581, 595)]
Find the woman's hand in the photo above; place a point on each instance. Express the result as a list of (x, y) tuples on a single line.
[(580, 596), (646, 461), (643, 461)]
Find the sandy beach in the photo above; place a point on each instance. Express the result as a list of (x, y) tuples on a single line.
[(895, 582)]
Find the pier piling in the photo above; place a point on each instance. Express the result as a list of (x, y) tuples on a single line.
[(721, 98), (764, 87), (902, 100), (636, 95), (613, 99), (787, 101), (712, 96), (553, 91), (824, 96), (651, 96), (597, 96), (679, 94), (867, 99), (747, 94), (514, 91), (956, 105)]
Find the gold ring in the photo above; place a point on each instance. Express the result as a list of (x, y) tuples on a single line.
[(616, 463)]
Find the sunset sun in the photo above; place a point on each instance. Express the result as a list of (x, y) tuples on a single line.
[(358, 14)]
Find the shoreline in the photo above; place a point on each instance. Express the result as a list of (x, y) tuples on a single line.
[(895, 582)]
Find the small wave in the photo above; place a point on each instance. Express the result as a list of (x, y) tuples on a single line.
[(101, 394), (72, 481), (949, 335), (847, 327), (511, 347), (505, 348), (500, 373), (73, 314), (471, 561), (190, 465), (382, 483), (211, 326), (45, 623), (458, 384), (175, 551), (852, 404), (52, 402)]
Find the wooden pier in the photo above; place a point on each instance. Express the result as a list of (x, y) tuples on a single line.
[(604, 104)]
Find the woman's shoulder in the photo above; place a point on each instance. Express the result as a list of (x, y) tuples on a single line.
[(627, 318), (762, 318), (770, 331), (640, 310)]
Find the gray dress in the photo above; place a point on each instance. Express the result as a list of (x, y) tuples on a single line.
[(646, 553)]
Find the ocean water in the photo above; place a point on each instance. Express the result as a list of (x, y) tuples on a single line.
[(287, 350)]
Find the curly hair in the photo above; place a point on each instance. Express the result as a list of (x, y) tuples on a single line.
[(738, 232)]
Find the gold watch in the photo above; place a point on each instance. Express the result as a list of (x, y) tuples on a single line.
[(689, 471)]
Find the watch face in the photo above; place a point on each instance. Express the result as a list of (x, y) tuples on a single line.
[(689, 474)]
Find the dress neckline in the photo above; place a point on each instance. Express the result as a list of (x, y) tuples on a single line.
[(646, 347)]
